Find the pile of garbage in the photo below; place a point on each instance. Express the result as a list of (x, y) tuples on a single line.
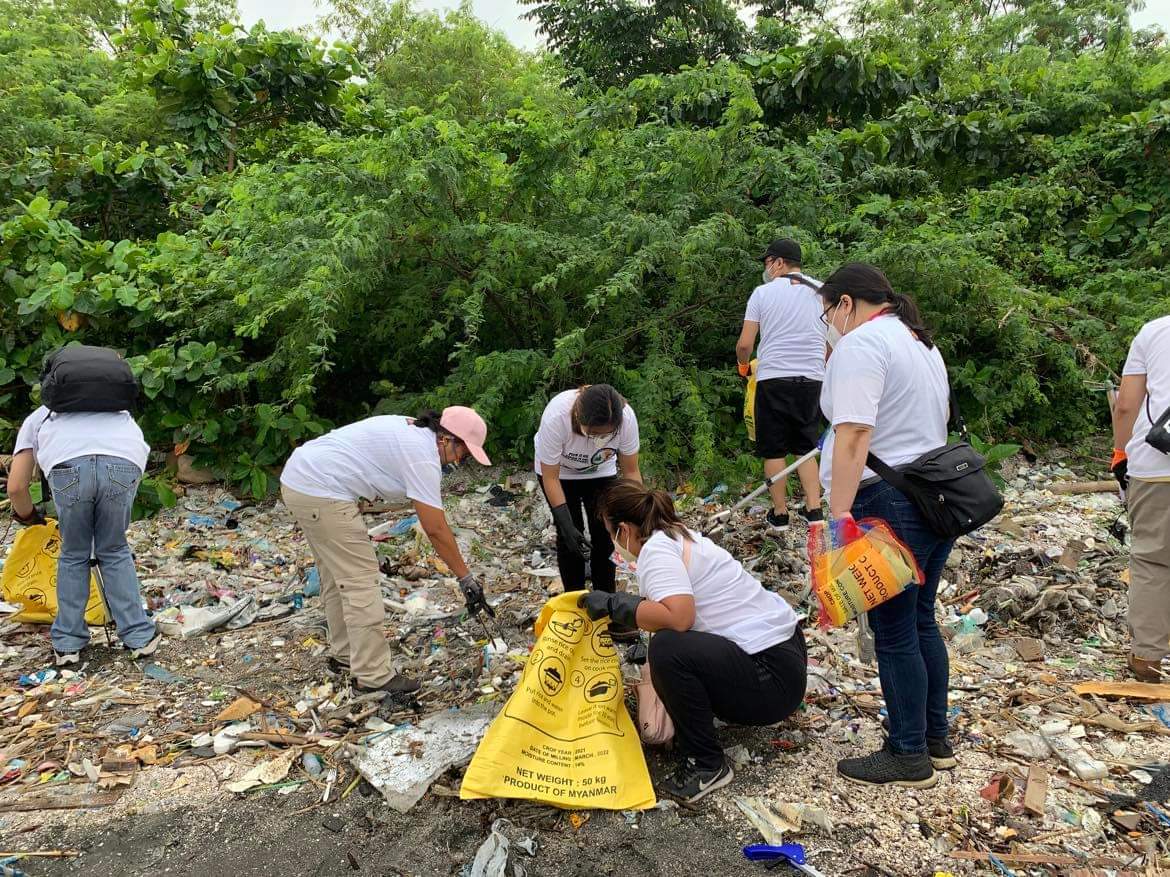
[(1063, 764)]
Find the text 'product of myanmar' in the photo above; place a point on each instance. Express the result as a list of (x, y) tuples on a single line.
[(564, 737), (30, 577), (857, 565)]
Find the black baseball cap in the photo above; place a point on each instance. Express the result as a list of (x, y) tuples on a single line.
[(783, 248)]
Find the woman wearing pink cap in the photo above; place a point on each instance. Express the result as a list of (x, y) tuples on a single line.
[(388, 458)]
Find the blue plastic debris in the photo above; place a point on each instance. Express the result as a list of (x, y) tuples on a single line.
[(403, 526), (792, 854), (31, 680), (230, 504), (202, 521), (312, 582), (161, 673)]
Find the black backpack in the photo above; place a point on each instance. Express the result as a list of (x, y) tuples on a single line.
[(84, 378), (949, 485)]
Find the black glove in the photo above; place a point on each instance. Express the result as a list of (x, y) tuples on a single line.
[(473, 594), (36, 516), (1120, 471), (620, 606), (574, 538)]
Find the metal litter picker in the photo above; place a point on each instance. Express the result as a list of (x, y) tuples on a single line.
[(716, 524)]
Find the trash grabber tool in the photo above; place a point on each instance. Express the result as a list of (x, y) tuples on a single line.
[(717, 522)]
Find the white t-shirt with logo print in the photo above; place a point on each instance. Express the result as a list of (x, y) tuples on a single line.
[(792, 334), (880, 375), (729, 601), (577, 455), (1149, 355), (385, 457)]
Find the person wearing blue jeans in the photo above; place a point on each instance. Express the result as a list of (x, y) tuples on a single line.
[(886, 392), (912, 658), (94, 462)]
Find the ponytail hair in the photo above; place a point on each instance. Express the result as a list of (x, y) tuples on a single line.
[(630, 502), (598, 405), (867, 283), (429, 419)]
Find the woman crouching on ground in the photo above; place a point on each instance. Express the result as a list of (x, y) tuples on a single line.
[(722, 645)]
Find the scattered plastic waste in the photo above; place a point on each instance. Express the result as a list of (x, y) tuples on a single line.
[(312, 586), (491, 859), (402, 764), (161, 673)]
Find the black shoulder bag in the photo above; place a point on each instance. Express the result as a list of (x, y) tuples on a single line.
[(949, 485)]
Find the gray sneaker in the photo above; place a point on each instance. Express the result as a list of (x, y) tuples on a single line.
[(886, 767), (147, 650), (64, 659), (689, 783)]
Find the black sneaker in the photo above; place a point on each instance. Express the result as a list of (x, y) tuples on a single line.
[(399, 684), (147, 650), (812, 516), (885, 767), (942, 754), (778, 523), (688, 783), (337, 667)]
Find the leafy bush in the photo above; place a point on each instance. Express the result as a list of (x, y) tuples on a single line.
[(282, 236)]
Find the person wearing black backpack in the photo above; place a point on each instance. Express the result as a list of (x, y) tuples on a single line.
[(886, 392), (86, 442)]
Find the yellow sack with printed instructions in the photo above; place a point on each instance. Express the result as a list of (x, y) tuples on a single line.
[(565, 737), (749, 401), (29, 578)]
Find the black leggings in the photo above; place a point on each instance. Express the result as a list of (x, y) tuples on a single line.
[(581, 495), (700, 676)]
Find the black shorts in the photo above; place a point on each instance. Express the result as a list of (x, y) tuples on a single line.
[(788, 417)]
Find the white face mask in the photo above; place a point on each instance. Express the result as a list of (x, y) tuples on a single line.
[(767, 278), (599, 441), (627, 555), (835, 335)]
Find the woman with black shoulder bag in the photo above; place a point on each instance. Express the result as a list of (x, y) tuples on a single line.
[(886, 394)]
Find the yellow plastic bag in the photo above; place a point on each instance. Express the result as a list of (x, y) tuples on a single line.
[(564, 737), (29, 578), (857, 565), (749, 401)]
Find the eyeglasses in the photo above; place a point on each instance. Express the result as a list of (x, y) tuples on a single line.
[(825, 317)]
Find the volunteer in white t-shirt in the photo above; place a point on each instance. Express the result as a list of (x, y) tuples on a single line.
[(585, 435), (388, 458), (786, 313), (93, 462), (1143, 471), (886, 392), (722, 645)]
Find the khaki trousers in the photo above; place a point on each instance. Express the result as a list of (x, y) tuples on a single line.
[(1149, 568), (350, 584)]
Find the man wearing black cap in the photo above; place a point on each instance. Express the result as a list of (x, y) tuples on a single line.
[(786, 313)]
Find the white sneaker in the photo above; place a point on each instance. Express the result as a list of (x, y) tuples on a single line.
[(64, 659), (149, 649)]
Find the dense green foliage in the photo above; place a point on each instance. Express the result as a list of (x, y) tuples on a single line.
[(283, 235)]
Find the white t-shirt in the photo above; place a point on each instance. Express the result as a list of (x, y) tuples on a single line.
[(1149, 355), (880, 375), (792, 335), (729, 602), (386, 458), (577, 455), (83, 433)]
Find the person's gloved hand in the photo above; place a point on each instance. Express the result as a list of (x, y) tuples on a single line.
[(574, 538), (621, 607), (473, 594), (36, 516), (745, 369), (1120, 469)]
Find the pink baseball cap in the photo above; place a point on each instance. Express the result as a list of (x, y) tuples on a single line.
[(469, 428)]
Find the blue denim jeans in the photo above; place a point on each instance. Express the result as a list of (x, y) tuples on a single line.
[(912, 657), (93, 496)]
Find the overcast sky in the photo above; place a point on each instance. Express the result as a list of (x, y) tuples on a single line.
[(506, 15)]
